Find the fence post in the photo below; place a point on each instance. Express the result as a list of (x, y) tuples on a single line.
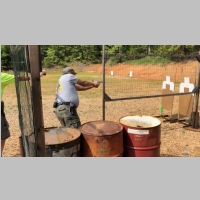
[(103, 70), (195, 117), (35, 68)]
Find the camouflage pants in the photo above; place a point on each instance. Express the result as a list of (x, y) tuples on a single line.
[(68, 116)]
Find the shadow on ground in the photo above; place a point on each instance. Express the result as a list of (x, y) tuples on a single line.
[(168, 155), (17, 155)]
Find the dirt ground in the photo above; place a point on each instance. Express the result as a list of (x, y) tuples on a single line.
[(174, 138)]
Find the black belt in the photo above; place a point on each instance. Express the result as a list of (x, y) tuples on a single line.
[(63, 103)]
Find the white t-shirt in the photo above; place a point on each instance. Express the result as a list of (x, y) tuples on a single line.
[(66, 90)]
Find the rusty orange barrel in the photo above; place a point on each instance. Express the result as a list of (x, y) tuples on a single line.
[(141, 136), (62, 142), (101, 139)]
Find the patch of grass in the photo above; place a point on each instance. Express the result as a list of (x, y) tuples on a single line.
[(89, 76), (164, 133), (113, 61), (183, 131), (150, 60)]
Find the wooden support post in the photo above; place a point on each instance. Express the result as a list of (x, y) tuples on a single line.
[(35, 68), (195, 114), (103, 70)]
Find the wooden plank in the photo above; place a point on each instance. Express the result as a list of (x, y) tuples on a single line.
[(35, 68), (167, 101), (186, 102)]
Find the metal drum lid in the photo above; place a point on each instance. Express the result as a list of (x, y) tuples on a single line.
[(60, 135), (100, 128), (140, 121)]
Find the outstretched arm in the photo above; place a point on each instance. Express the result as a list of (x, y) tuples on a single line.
[(23, 78), (88, 84)]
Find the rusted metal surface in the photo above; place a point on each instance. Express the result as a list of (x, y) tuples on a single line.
[(62, 142), (141, 136), (101, 139), (60, 135)]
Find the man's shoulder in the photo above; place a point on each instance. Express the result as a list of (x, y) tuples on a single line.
[(68, 77), (65, 76)]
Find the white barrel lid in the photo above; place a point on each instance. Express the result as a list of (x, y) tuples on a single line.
[(140, 121)]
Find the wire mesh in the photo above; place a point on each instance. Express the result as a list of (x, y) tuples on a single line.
[(23, 91), (146, 78), (141, 80)]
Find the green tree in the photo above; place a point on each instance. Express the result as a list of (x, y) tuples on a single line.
[(6, 56)]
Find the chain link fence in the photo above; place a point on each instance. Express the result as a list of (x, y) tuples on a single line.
[(150, 85), (23, 90)]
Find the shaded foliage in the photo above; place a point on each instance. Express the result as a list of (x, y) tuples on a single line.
[(53, 55), (5, 56)]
